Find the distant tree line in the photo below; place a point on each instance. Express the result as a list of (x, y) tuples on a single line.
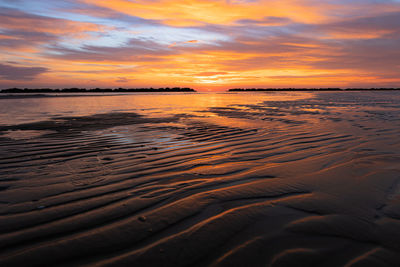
[(310, 89), (96, 90)]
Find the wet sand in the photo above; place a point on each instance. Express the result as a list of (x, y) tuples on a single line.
[(308, 182)]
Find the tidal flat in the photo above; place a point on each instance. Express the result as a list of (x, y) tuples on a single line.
[(201, 179)]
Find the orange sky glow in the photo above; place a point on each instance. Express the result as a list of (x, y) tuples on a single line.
[(202, 44)]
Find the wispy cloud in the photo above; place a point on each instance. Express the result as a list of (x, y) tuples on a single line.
[(9, 72)]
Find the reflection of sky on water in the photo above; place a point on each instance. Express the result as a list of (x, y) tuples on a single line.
[(264, 111), (144, 135), (17, 111)]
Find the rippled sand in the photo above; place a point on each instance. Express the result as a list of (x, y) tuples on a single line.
[(311, 179)]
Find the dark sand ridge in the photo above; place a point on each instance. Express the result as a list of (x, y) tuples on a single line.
[(87, 123), (319, 186)]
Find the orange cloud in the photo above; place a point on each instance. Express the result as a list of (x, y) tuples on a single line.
[(197, 12)]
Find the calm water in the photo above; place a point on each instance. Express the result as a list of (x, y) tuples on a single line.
[(17, 111), (262, 109)]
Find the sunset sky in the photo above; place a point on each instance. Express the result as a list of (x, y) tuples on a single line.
[(203, 44)]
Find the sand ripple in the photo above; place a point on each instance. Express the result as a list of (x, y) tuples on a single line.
[(315, 179)]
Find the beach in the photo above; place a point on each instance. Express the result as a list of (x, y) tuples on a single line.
[(201, 179)]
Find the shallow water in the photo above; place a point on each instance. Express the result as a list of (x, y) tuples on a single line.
[(246, 179), (22, 110)]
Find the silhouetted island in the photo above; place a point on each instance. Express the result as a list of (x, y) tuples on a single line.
[(96, 90), (310, 89)]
